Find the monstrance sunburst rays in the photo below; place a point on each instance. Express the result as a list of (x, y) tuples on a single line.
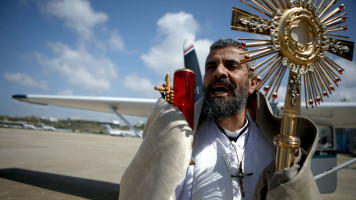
[(301, 33)]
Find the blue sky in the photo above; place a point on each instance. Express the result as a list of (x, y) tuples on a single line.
[(111, 48)]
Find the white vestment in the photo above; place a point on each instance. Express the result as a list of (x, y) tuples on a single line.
[(167, 148), (215, 161)]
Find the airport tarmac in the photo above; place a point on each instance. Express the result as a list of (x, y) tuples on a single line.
[(54, 165)]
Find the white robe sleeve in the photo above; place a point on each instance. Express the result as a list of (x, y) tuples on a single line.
[(184, 189), (163, 157)]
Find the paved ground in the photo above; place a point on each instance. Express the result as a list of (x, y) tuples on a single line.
[(346, 187), (53, 165)]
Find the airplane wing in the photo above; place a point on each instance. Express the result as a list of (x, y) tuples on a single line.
[(125, 106), (340, 114)]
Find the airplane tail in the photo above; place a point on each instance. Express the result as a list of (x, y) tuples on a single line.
[(191, 62), (108, 127)]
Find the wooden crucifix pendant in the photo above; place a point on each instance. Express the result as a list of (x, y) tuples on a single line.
[(240, 175)]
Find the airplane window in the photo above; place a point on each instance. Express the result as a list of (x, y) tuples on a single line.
[(325, 137)]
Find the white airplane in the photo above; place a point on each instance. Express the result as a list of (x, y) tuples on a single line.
[(339, 114), (119, 106), (47, 128), (28, 126), (327, 116), (116, 132), (16, 124)]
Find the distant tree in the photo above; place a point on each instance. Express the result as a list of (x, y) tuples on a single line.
[(344, 99)]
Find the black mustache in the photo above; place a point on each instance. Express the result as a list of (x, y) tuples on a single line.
[(219, 80)]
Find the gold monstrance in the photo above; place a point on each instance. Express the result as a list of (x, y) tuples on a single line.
[(301, 33)]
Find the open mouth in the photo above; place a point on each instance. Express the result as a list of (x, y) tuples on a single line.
[(220, 88)]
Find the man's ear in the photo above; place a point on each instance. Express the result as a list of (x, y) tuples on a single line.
[(253, 85)]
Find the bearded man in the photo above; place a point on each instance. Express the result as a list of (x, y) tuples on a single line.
[(232, 156)]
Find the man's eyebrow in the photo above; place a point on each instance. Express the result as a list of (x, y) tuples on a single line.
[(232, 61), (211, 62), (224, 60)]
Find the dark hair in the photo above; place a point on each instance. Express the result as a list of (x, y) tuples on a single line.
[(221, 43)]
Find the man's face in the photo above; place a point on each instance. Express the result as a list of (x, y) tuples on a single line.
[(226, 83), (225, 63)]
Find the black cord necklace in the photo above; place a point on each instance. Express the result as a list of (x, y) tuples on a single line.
[(240, 174)]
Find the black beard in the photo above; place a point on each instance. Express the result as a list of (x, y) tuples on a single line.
[(220, 108)]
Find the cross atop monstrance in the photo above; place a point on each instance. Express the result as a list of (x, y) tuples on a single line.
[(301, 33)]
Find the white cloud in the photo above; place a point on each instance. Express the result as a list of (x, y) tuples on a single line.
[(166, 55), (83, 66), (348, 76), (80, 68), (66, 92), (202, 48), (76, 14), (347, 86), (116, 42), (140, 85), (25, 80)]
